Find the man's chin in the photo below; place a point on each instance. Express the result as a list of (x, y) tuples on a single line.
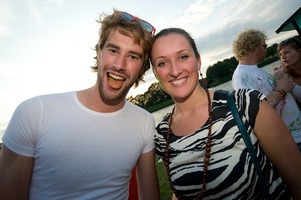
[(113, 96)]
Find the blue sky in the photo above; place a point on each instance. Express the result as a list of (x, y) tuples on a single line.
[(46, 45)]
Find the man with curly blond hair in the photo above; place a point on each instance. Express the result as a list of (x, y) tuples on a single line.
[(249, 49)]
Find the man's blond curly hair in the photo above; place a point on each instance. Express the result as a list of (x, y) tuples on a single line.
[(247, 42)]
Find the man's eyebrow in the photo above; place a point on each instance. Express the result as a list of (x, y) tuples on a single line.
[(137, 53), (111, 45), (140, 55)]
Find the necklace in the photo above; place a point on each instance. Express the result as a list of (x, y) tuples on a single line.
[(206, 158)]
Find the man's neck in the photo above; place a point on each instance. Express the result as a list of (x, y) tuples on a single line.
[(248, 61)]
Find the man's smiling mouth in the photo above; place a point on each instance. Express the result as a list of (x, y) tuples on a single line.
[(115, 81)]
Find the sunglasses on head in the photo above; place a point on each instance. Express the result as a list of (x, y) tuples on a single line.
[(290, 40), (145, 24)]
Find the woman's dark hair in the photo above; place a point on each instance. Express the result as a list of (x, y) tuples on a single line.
[(182, 32)]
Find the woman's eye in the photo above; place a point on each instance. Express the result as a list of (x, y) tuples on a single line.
[(161, 64), (183, 57)]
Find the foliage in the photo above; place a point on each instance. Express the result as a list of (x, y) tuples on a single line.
[(220, 72), (152, 99)]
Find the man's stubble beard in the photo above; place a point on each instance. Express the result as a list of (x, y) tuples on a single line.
[(111, 99)]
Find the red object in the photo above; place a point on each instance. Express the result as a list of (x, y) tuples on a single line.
[(133, 191)]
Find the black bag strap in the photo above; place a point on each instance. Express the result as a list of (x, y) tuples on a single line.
[(249, 145)]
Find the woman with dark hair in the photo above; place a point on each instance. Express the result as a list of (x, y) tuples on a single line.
[(202, 148)]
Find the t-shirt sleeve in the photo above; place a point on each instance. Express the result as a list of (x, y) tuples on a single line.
[(21, 132), (150, 144)]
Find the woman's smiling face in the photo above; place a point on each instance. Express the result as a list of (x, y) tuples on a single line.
[(175, 65)]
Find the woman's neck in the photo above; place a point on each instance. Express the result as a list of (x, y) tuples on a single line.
[(294, 71), (196, 100)]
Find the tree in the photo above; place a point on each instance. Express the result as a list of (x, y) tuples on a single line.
[(220, 72)]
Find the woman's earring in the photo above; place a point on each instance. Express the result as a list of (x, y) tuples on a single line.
[(203, 80)]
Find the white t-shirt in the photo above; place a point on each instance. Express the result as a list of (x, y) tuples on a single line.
[(79, 153), (252, 77)]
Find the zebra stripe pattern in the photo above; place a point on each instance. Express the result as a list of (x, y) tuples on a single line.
[(231, 173)]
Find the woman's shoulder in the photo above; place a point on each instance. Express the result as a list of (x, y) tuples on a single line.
[(247, 94), (243, 98), (239, 94)]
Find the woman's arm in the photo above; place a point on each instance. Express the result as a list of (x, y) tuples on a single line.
[(283, 86), (280, 147)]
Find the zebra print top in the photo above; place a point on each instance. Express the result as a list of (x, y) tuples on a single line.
[(231, 174)]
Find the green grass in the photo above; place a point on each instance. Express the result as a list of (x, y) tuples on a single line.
[(165, 190)]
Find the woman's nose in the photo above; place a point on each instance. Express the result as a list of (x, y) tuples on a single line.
[(175, 70)]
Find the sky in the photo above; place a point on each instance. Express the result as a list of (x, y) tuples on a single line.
[(46, 46)]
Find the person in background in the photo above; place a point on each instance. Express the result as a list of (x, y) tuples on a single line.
[(249, 49), (289, 52), (279, 72), (203, 152), (85, 144)]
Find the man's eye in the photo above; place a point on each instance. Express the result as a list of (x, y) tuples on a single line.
[(112, 50), (133, 57)]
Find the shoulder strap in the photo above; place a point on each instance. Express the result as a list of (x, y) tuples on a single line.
[(249, 145)]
